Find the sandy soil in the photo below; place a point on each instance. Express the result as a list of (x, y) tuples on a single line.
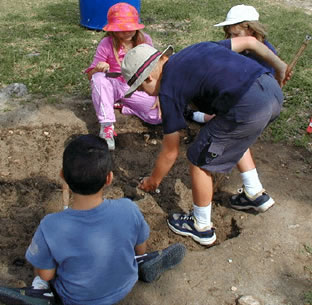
[(267, 256)]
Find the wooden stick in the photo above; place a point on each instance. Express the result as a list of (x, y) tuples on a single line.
[(298, 54)]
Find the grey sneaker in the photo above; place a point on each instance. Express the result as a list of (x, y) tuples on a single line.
[(107, 133), (243, 201), (185, 225), (152, 265), (26, 296)]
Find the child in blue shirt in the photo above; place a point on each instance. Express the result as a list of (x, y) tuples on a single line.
[(245, 98), (95, 251)]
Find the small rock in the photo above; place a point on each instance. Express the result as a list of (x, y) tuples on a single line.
[(247, 300), (154, 142), (293, 226), (230, 260), (233, 288), (11, 131), (16, 89), (146, 137), (33, 54), (46, 133)]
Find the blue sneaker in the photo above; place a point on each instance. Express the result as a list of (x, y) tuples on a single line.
[(185, 224), (26, 296), (152, 265), (243, 201)]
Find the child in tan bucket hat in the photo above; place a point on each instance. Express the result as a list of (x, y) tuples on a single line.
[(245, 98)]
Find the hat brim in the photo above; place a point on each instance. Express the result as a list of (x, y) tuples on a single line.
[(168, 51), (122, 27), (234, 21)]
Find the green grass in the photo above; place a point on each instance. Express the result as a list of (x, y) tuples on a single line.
[(308, 248), (308, 298), (43, 46)]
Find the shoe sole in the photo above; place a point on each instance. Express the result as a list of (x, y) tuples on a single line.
[(168, 258), (262, 208), (202, 241), (10, 296)]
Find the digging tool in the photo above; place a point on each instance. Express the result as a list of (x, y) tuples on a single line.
[(112, 74), (294, 62), (298, 54)]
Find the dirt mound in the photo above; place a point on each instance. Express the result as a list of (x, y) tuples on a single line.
[(32, 142)]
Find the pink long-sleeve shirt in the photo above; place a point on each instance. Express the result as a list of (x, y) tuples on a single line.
[(105, 52)]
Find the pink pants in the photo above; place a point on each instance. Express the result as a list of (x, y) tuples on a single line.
[(108, 91)]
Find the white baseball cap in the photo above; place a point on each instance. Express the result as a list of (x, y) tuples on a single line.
[(138, 64), (240, 13)]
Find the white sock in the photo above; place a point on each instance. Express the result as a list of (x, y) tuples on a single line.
[(106, 124), (251, 182), (202, 215), (199, 117), (39, 283)]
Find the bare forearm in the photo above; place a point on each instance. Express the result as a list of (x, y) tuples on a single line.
[(45, 274), (140, 249), (239, 44), (162, 167), (164, 162)]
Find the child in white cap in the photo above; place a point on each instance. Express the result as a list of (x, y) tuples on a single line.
[(241, 21)]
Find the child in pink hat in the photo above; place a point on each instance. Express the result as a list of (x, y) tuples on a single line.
[(123, 32)]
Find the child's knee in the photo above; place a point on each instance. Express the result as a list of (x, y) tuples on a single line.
[(98, 78)]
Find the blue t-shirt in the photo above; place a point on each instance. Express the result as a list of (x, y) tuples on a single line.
[(92, 251), (259, 60), (207, 71)]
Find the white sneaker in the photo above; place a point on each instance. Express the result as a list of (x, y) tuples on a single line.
[(107, 133)]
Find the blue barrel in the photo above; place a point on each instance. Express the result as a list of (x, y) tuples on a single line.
[(93, 13)]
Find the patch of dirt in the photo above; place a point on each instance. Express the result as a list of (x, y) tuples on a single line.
[(306, 5), (265, 255)]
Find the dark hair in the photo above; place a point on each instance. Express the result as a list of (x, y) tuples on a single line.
[(86, 164)]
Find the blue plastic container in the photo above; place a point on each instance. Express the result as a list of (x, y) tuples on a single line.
[(93, 13)]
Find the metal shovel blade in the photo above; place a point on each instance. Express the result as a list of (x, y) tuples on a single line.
[(112, 74)]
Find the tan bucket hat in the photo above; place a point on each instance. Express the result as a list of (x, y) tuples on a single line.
[(138, 64)]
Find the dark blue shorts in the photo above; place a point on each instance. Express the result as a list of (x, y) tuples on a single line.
[(222, 142)]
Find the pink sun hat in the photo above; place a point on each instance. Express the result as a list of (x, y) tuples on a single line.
[(122, 17)]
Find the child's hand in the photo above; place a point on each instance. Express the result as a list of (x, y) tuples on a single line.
[(102, 66), (147, 185), (280, 74)]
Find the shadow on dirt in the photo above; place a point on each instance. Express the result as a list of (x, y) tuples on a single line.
[(31, 187)]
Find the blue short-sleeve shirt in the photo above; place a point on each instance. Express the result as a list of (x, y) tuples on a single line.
[(259, 60), (208, 71), (92, 251)]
